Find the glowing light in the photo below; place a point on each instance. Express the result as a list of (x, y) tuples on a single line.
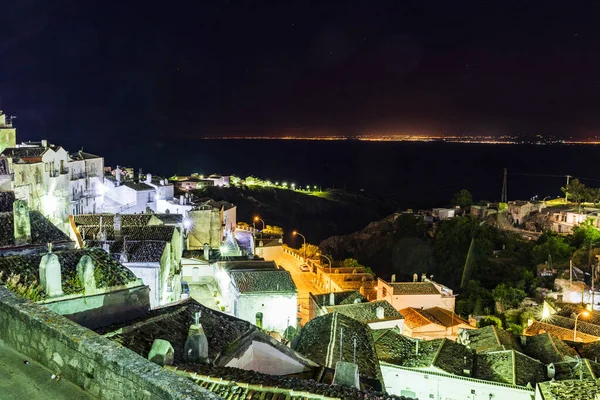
[(50, 204), (187, 223), (256, 219), (223, 250)]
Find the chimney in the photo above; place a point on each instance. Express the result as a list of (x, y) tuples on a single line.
[(181, 200), (50, 276), (148, 178), (117, 226), (417, 348), (161, 353), (380, 312), (332, 299), (118, 175), (423, 277), (346, 374), (196, 345), (415, 277), (393, 278), (551, 371), (21, 223), (85, 274), (206, 251), (140, 175), (45, 143)]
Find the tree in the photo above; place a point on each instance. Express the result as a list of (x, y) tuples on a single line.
[(508, 296), (593, 195), (311, 250), (411, 255), (575, 191), (554, 248), (463, 199), (490, 320)]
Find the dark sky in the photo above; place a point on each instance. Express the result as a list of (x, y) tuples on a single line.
[(91, 71)]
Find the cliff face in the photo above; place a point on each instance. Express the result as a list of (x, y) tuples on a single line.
[(316, 217), (395, 244)]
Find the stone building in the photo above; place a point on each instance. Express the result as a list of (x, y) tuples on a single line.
[(376, 314), (432, 323), (318, 303), (143, 243), (55, 182), (211, 222), (8, 134)]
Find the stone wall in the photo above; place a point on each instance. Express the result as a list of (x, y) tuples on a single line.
[(104, 368)]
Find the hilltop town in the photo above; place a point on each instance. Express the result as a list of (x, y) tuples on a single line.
[(117, 283)]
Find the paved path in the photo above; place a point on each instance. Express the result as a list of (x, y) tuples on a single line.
[(303, 280), (32, 381)]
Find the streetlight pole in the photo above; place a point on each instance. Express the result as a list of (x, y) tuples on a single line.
[(303, 238), (256, 219), (585, 313), (328, 275)]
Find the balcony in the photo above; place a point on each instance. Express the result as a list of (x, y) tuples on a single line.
[(79, 175)]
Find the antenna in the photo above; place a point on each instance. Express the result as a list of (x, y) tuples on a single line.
[(504, 196), (354, 349), (341, 344)]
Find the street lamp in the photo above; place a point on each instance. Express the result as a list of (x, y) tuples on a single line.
[(301, 235), (328, 260), (585, 313), (256, 219)]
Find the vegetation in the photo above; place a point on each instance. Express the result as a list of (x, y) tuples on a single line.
[(463, 199), (32, 291)]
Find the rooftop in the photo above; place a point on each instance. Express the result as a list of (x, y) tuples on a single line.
[(263, 281), (108, 272), (366, 312), (570, 389), (137, 186), (538, 327), (246, 264), (340, 298), (319, 340), (413, 288), (510, 367), (548, 348), (490, 338), (42, 230)]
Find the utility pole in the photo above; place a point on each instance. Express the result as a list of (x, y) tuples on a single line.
[(570, 271), (567, 188), (504, 196)]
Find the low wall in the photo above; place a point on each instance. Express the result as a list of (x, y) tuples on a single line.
[(104, 368)]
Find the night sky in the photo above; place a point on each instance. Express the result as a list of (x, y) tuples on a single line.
[(87, 71)]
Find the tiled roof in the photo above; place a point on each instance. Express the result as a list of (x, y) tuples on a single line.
[(320, 341), (108, 219), (263, 281), (538, 327), (172, 323), (547, 348), (366, 312), (24, 152), (82, 155), (570, 310), (234, 383), (151, 232), (571, 389), (575, 369), (139, 251), (137, 186), (490, 338), (589, 350), (168, 219), (340, 298), (108, 272), (246, 265), (414, 319), (510, 367), (42, 230), (4, 169), (569, 323), (414, 288), (442, 354), (441, 316)]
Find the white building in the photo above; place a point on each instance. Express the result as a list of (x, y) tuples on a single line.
[(443, 213), (426, 294)]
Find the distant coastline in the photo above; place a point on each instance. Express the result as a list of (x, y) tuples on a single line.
[(421, 138)]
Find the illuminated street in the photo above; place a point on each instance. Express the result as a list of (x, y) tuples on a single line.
[(303, 280)]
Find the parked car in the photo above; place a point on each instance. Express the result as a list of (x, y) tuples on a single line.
[(185, 290), (305, 268)]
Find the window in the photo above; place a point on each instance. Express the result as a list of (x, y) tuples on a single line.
[(259, 320), (383, 291)]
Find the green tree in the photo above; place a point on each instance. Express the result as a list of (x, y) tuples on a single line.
[(575, 191), (463, 199), (490, 320), (411, 255), (508, 296), (554, 248), (585, 233)]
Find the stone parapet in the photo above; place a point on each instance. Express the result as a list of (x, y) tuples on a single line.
[(106, 369)]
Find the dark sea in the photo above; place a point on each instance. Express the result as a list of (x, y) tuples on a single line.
[(418, 174)]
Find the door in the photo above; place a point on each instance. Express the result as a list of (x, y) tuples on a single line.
[(195, 274)]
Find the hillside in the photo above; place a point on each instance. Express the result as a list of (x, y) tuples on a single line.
[(316, 216)]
